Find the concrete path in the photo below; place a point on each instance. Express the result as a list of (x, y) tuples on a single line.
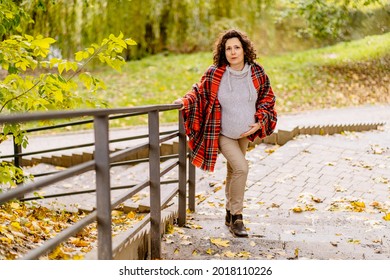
[(316, 197)]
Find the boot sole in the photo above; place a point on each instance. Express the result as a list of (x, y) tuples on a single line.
[(235, 235)]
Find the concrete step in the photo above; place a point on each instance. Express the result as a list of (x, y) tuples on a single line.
[(280, 235)]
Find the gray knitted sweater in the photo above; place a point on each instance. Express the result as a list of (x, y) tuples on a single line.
[(237, 96)]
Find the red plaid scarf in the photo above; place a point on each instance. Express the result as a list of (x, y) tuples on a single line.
[(202, 114)]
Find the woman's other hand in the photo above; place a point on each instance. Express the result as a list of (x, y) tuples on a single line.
[(253, 128)]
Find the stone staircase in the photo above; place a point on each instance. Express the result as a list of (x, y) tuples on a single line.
[(279, 137)]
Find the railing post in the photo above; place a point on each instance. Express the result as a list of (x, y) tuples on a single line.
[(191, 185), (17, 152), (103, 195), (182, 172), (17, 157), (154, 179)]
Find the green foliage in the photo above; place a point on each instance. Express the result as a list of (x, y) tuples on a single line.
[(301, 80), (326, 20), (189, 26), (11, 16), (10, 174), (37, 82)]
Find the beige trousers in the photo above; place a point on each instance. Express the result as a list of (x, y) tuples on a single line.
[(237, 171)]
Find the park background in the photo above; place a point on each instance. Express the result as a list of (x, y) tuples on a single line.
[(318, 53)]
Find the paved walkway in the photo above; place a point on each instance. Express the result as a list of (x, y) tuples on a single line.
[(316, 197)]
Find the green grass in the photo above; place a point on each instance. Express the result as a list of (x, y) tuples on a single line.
[(317, 78)]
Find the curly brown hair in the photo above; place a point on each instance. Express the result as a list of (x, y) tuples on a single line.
[(219, 57)]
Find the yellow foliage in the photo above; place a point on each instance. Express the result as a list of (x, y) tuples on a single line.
[(210, 251), (229, 254), (219, 242)]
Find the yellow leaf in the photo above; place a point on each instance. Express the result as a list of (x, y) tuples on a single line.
[(296, 252), (309, 208), (354, 241), (386, 217), (376, 205), (79, 56), (316, 199), (244, 254), (194, 226), (229, 254), (177, 251), (382, 180), (82, 243), (210, 251), (116, 213), (169, 229), (194, 253), (212, 204), (269, 151), (15, 205), (297, 209), (219, 242), (131, 215), (358, 204), (16, 225), (6, 240), (130, 41)]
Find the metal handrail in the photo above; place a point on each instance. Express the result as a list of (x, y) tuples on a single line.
[(102, 162)]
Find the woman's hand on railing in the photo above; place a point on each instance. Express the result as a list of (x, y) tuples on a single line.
[(179, 101)]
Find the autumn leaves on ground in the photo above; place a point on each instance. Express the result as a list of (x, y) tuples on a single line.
[(347, 74), (24, 226)]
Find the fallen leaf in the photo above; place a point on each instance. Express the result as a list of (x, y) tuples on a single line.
[(131, 215), (229, 254), (15, 205), (194, 226), (386, 217), (210, 251), (353, 241), (244, 254), (297, 209), (116, 213), (212, 204), (219, 242), (382, 180)]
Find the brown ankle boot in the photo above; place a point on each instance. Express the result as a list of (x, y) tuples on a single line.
[(237, 226), (228, 218)]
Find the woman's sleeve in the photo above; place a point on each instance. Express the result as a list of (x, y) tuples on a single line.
[(265, 108)]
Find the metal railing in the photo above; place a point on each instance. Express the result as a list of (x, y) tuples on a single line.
[(102, 162)]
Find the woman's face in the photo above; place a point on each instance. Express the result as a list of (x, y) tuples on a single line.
[(234, 53)]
